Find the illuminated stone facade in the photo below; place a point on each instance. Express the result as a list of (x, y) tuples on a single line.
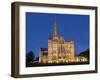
[(58, 51)]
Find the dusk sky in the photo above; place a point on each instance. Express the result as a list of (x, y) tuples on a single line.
[(40, 25)]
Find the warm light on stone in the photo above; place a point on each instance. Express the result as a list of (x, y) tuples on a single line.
[(59, 50)]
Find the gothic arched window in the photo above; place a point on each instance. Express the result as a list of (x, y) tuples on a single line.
[(63, 49)]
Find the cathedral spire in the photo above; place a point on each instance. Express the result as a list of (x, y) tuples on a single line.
[(55, 34)]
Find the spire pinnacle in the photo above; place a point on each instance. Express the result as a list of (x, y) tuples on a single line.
[(55, 34)]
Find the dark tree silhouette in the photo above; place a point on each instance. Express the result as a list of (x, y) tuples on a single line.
[(37, 58), (30, 57), (85, 53)]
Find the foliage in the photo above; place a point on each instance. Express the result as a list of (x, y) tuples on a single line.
[(85, 54), (30, 57)]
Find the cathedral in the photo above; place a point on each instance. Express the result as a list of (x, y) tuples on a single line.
[(58, 51)]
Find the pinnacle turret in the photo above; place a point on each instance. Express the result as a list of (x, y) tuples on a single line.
[(55, 34)]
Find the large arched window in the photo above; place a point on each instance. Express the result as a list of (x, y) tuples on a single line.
[(61, 49)]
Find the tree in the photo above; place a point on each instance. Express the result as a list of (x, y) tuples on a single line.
[(30, 57), (37, 59), (85, 54)]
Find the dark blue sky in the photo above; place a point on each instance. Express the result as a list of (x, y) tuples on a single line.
[(40, 25)]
